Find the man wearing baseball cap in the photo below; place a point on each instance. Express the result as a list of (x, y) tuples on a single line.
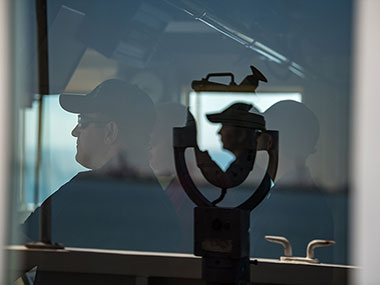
[(118, 204), (241, 134)]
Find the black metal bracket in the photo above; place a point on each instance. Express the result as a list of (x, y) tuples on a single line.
[(221, 235)]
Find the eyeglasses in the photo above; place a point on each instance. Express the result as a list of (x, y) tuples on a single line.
[(83, 121)]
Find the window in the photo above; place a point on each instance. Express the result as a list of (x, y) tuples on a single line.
[(118, 168)]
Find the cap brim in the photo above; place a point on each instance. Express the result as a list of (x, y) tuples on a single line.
[(214, 118), (75, 103), (221, 118), (254, 121)]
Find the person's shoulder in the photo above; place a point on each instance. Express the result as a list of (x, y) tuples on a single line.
[(82, 175), (81, 178), (66, 189)]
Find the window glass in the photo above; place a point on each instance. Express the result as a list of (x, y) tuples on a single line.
[(95, 150)]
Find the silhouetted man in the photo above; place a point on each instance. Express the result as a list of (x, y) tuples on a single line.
[(118, 204), (297, 209), (171, 115), (240, 134)]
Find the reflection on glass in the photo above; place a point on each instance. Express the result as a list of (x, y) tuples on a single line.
[(162, 50), (108, 207), (308, 215), (170, 115)]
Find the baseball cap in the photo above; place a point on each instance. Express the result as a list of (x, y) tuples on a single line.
[(238, 115), (107, 97), (115, 98)]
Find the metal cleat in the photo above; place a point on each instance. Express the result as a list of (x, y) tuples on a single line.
[(310, 257)]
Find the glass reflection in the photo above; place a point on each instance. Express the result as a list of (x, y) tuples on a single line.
[(299, 216), (118, 204), (162, 49)]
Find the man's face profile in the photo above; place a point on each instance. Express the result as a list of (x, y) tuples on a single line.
[(91, 146), (229, 137), (115, 120), (237, 139)]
